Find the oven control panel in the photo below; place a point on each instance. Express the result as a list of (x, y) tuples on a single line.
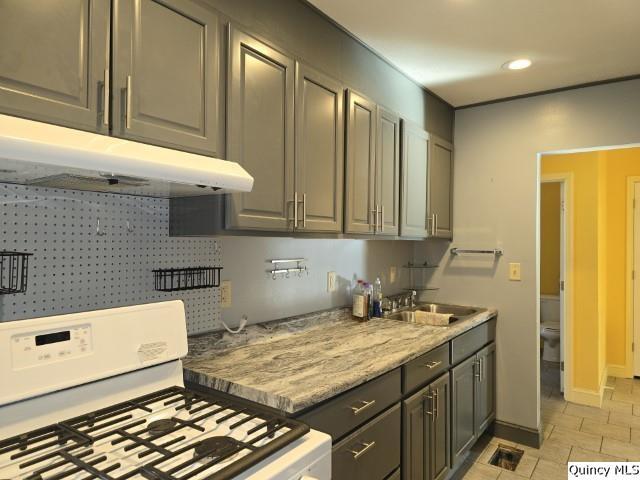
[(38, 348)]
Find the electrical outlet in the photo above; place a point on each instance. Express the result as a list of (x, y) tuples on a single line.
[(514, 272), (393, 274), (331, 282), (225, 294)]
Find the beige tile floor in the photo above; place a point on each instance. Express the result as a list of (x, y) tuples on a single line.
[(572, 433)]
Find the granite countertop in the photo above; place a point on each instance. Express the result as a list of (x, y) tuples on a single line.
[(296, 363)]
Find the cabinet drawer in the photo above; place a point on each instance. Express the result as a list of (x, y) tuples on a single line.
[(424, 368), (470, 342), (372, 452), (351, 409)]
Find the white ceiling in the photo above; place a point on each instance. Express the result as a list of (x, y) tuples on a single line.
[(456, 47)]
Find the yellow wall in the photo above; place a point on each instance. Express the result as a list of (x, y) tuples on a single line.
[(550, 238), (599, 255), (620, 164)]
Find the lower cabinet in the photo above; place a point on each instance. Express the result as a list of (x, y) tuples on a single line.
[(371, 452), (473, 403), (426, 432)]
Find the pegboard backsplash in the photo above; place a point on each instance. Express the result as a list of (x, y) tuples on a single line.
[(75, 267)]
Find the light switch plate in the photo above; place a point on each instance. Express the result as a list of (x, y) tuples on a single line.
[(393, 274), (225, 294), (331, 281), (514, 272)]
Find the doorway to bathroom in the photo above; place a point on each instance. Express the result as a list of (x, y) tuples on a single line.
[(554, 202)]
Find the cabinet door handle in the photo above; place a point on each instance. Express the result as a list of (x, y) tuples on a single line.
[(435, 404), (432, 365), (295, 209), (304, 210), (382, 218), (429, 405), (433, 224), (365, 404), (359, 453), (481, 360), (435, 230), (105, 98), (476, 365), (375, 218), (127, 118)]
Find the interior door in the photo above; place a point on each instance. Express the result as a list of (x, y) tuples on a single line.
[(261, 133), (636, 281), (563, 257), (54, 61), (388, 172), (360, 168), (319, 163), (166, 78)]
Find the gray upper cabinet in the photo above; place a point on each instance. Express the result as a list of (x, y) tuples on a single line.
[(440, 216), (166, 74), (387, 196), (360, 212), (54, 61), (260, 133), (413, 195), (319, 152)]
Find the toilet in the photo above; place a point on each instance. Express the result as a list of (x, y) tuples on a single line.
[(550, 327)]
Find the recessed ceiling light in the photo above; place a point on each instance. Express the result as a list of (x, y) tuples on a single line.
[(518, 64)]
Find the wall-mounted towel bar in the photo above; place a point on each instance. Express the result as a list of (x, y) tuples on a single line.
[(496, 251)]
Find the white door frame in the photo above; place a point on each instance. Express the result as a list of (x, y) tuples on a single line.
[(632, 366), (566, 275)]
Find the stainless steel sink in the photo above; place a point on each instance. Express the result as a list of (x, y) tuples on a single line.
[(455, 310), (457, 313)]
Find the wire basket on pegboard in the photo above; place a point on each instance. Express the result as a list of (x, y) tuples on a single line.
[(191, 278), (14, 272)]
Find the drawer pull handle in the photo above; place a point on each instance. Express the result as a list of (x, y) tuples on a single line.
[(365, 405), (359, 453), (431, 365)]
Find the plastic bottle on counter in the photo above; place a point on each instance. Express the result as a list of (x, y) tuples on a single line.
[(377, 298), (367, 298), (359, 302)]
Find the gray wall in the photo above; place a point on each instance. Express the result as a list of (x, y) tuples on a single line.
[(257, 295), (306, 34), (495, 204)]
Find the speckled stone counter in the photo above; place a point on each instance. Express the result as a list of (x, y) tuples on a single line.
[(296, 363)]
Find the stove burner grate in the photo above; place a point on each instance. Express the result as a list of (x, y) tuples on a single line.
[(121, 424)]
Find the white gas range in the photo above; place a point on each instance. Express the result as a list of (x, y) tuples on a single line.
[(100, 395)]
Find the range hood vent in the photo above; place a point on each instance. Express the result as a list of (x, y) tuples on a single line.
[(35, 153)]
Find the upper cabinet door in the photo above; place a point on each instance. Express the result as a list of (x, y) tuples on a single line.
[(319, 164), (166, 78), (387, 198), (415, 157), (260, 133), (441, 188), (54, 60), (360, 216)]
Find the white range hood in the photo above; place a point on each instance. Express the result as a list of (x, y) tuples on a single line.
[(35, 153)]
